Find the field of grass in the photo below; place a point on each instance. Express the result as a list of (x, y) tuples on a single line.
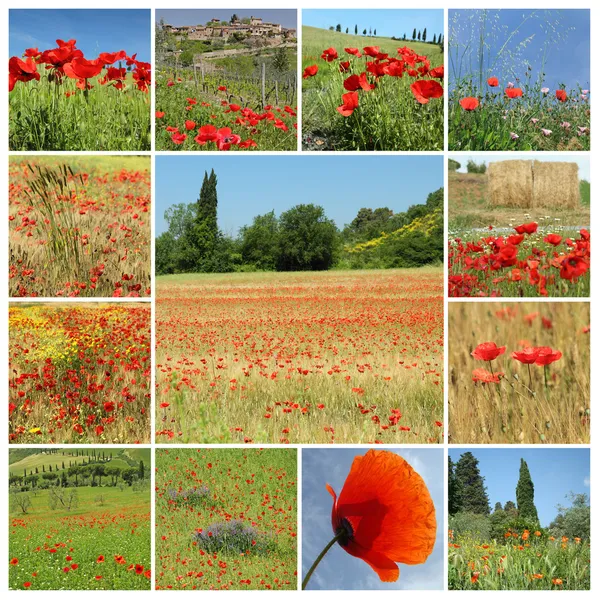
[(56, 461), (102, 542), (226, 111), (319, 357), (79, 373), (388, 116), (539, 564), (488, 255), (226, 519), (505, 400), (50, 108), (97, 244)]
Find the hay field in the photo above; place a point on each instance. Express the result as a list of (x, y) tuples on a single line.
[(529, 404)]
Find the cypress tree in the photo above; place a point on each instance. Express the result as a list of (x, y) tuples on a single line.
[(475, 498), (497, 506), (424, 36), (455, 490), (141, 470), (525, 493), (206, 230), (414, 36)]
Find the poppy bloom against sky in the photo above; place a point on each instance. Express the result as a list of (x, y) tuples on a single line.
[(339, 569)]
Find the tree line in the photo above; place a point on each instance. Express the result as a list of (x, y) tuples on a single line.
[(420, 35), (302, 238), (470, 511)]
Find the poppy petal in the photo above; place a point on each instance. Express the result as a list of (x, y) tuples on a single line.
[(385, 567)]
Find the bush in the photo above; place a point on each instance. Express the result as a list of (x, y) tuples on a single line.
[(465, 523), (473, 167), (453, 165)]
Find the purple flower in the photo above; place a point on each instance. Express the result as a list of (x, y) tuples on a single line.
[(565, 125), (545, 90), (514, 136), (534, 120), (546, 132)]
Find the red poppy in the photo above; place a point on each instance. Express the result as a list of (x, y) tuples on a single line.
[(352, 83), (547, 356), (344, 66), (330, 54), (225, 137), (485, 376), (384, 514), (371, 51), (100, 559), (14, 561), (488, 351), (553, 238), (109, 406), (573, 267), (310, 71), (350, 103), (513, 92), (561, 95), (80, 68), (206, 133), (178, 138), (469, 103), (528, 228), (354, 51), (438, 72), (189, 125), (527, 356), (395, 68), (21, 70), (108, 58), (493, 82), (139, 569), (159, 115), (424, 89)]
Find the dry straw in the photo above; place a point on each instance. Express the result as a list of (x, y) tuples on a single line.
[(555, 184), (510, 183)]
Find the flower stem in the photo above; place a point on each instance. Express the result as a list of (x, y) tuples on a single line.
[(320, 557)]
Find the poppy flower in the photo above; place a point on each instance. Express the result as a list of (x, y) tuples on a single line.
[(310, 71), (206, 133), (561, 95), (100, 559), (371, 51), (354, 51), (553, 238), (80, 68), (108, 58), (527, 356), (14, 561), (21, 70), (384, 514), (344, 66), (469, 103), (513, 92), (350, 102), (159, 115), (485, 376), (424, 89), (189, 125), (352, 83), (488, 351), (493, 82), (573, 267), (547, 356), (438, 72), (225, 137), (330, 54), (528, 228)]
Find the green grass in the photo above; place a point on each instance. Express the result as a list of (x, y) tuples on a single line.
[(256, 486), (56, 460), (584, 191), (119, 527), (388, 117), (516, 565), (41, 117)]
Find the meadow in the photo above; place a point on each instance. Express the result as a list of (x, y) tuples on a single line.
[(226, 519), (539, 563), (72, 534), (519, 373), (515, 252), (60, 100), (313, 357), (370, 93), (499, 98), (79, 373), (224, 112), (79, 226)]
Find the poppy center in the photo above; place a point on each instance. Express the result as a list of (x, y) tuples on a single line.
[(346, 531)]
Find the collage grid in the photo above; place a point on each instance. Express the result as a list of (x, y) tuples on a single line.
[(294, 471)]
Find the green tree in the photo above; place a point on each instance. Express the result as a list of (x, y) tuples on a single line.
[(356, 30), (511, 507), (374, 31), (525, 493), (307, 239), (206, 229), (346, 30), (141, 470), (453, 165), (419, 36), (364, 31), (260, 242), (281, 60), (455, 490), (424, 36), (573, 521), (497, 506), (414, 35), (433, 41), (475, 498), (338, 28)]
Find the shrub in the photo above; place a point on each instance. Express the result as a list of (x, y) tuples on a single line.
[(453, 165), (465, 523), (473, 167), (234, 537)]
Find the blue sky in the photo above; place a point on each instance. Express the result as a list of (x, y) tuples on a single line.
[(555, 473), (583, 162), (253, 185), (338, 570), (387, 22), (285, 17), (568, 59), (96, 31)]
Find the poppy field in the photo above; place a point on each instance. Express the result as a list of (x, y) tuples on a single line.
[(79, 226), (60, 99), (79, 536), (316, 357), (525, 561), (228, 116), (519, 373), (371, 93), (226, 519), (79, 373), (501, 95)]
